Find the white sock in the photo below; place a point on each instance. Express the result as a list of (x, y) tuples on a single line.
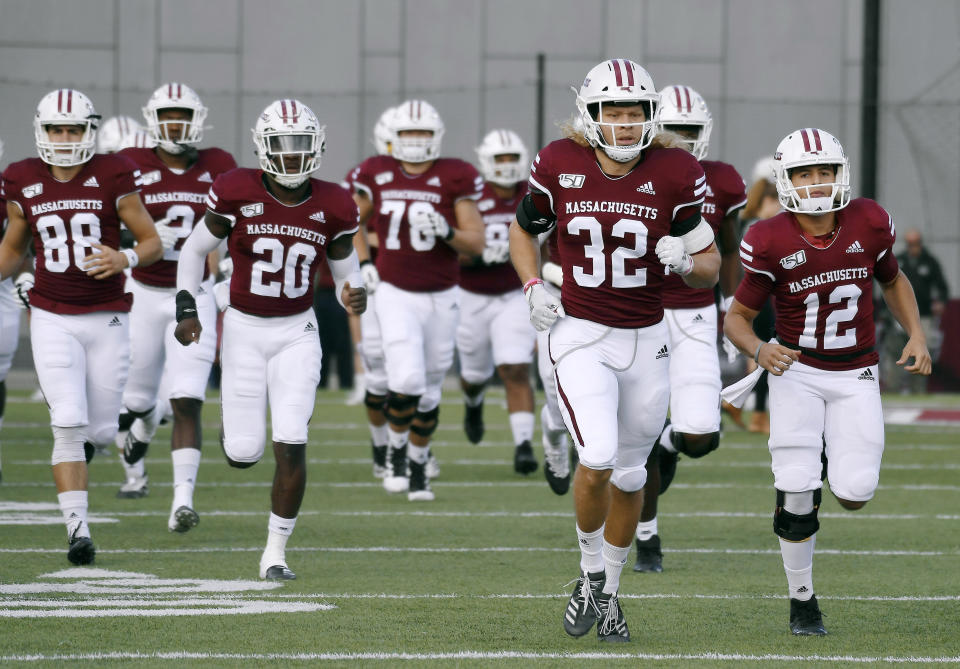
[(521, 424), (665, 439), (474, 401), (418, 454), (397, 439), (136, 470), (144, 428), (186, 462), (646, 530), (591, 545), (73, 506), (614, 558), (798, 565), (278, 531), (378, 434)]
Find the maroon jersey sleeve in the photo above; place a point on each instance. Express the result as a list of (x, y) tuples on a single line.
[(730, 191), (466, 182), (125, 176), (690, 187), (758, 277), (885, 235), (221, 198), (543, 177)]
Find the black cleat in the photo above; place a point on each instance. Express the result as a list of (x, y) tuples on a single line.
[(379, 460), (419, 485), (82, 550), (279, 572), (805, 618), (611, 625), (556, 467), (183, 520), (649, 555), (473, 423), (133, 450), (581, 611), (524, 461)]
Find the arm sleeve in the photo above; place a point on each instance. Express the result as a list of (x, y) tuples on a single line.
[(193, 258)]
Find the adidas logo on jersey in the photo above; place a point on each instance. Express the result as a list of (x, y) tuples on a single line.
[(310, 327), (115, 322), (434, 181), (698, 318), (205, 177), (855, 248), (318, 217), (867, 376), (92, 181), (663, 352), (647, 188)]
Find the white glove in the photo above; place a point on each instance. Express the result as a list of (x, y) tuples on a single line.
[(21, 286), (221, 294), (671, 252), (496, 253), (725, 303), (226, 267), (432, 223), (553, 273), (168, 236), (731, 350), (371, 277), (545, 309)]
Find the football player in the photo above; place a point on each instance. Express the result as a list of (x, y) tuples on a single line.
[(176, 177), (494, 331), (623, 207), (115, 132), (425, 210), (691, 318), (280, 224), (70, 201), (819, 259)]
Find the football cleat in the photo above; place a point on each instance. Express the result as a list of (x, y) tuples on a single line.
[(611, 624), (473, 423), (133, 450), (581, 611), (182, 519), (805, 618), (134, 488), (379, 460), (524, 461), (556, 464), (649, 555), (82, 550), (395, 479), (433, 465), (276, 572), (419, 483)]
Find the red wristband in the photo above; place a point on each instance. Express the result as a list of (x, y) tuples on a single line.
[(532, 282)]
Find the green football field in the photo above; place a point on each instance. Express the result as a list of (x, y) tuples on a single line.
[(480, 576)]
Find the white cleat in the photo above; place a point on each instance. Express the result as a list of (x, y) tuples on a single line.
[(396, 483), (134, 488), (274, 568), (182, 519), (433, 466)]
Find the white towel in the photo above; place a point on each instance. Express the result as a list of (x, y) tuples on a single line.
[(737, 393)]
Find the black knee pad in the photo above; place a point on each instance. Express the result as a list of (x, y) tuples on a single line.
[(89, 450), (430, 420), (680, 442), (397, 407), (375, 402), (793, 527)]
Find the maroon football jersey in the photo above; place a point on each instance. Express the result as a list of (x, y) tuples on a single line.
[(497, 215), (277, 248), (66, 219), (608, 227), (179, 198), (406, 258), (726, 192), (823, 296)]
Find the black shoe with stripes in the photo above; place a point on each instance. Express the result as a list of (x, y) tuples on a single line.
[(611, 625), (805, 618), (581, 611)]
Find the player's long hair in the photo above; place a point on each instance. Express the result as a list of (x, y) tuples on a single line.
[(569, 129)]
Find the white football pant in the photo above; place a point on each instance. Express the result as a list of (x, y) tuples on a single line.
[(694, 370), (494, 330)]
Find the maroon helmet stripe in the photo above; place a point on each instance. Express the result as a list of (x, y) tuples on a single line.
[(816, 138), (70, 101), (170, 90), (616, 72), (293, 109), (179, 91), (806, 140), (686, 91), (627, 66), (283, 110), (676, 97), (60, 100)]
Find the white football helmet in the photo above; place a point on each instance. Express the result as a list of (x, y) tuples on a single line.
[(499, 143), (810, 146), (113, 132), (683, 106), (383, 133), (175, 96), (141, 139), (289, 128), (65, 106), (416, 115), (617, 82)]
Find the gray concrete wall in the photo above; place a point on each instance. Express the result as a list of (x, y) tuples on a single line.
[(765, 67)]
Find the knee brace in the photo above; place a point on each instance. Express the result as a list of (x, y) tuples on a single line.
[(375, 402), (398, 406), (238, 464), (69, 446), (429, 420), (629, 479), (698, 449), (792, 526)]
